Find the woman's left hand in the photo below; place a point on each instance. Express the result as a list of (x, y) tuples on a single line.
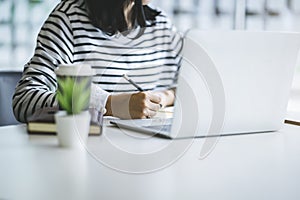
[(167, 97)]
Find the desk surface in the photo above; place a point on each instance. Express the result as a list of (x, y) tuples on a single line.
[(256, 166)]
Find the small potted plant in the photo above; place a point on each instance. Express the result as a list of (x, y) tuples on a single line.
[(73, 119)]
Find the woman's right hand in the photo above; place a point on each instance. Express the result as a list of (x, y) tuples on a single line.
[(133, 105)]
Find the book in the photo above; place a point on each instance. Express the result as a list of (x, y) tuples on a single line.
[(42, 122)]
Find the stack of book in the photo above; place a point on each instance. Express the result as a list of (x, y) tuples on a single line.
[(42, 122)]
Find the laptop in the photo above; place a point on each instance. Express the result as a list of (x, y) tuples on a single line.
[(230, 82)]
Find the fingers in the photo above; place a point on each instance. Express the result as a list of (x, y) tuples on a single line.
[(152, 101), (155, 98), (148, 113), (153, 106), (144, 105)]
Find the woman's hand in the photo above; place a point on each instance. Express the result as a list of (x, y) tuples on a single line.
[(133, 106), (138, 105), (167, 97)]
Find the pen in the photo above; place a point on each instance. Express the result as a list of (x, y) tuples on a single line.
[(133, 83), (136, 85)]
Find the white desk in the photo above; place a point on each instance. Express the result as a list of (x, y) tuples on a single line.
[(258, 166)]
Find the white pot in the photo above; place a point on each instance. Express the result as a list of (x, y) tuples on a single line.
[(72, 130)]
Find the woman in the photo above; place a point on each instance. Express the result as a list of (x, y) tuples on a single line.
[(116, 37)]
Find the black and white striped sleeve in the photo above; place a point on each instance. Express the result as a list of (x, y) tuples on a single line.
[(37, 86)]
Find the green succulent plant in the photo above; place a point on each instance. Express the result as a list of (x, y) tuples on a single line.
[(73, 94)]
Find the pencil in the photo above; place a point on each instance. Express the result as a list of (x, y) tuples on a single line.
[(133, 83)]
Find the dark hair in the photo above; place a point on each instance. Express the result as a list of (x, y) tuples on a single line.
[(108, 15)]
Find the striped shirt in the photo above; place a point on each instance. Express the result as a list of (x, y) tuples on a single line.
[(68, 37)]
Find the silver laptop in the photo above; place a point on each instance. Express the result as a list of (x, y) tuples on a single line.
[(230, 82)]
